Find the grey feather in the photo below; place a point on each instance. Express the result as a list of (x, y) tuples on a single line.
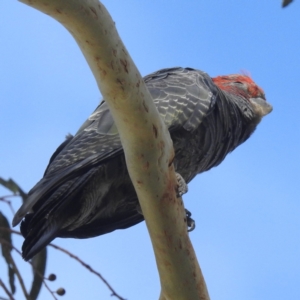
[(86, 190)]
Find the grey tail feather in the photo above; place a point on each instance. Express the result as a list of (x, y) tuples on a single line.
[(37, 239)]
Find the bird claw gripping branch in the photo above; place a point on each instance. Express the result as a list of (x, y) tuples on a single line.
[(189, 221)]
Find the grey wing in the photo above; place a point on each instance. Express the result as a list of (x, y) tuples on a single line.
[(183, 96), (96, 141)]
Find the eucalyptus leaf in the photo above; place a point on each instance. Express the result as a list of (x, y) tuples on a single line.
[(11, 185), (5, 242)]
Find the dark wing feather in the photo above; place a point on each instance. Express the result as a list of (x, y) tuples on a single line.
[(69, 137), (46, 226), (94, 143), (183, 98)]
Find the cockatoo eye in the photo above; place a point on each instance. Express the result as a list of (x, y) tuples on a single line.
[(241, 84)]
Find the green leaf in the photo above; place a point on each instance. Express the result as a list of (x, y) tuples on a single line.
[(286, 2), (5, 233), (38, 268), (11, 185), (11, 275), (6, 242)]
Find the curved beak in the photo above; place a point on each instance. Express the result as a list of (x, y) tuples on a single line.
[(262, 107)]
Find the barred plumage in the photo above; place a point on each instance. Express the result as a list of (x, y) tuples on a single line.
[(86, 190)]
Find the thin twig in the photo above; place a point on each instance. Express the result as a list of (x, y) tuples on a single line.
[(19, 252), (114, 293), (17, 272), (10, 196), (11, 245), (89, 268), (8, 202), (9, 294), (10, 230), (44, 281)]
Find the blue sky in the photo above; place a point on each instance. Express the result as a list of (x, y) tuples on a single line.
[(246, 210)]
